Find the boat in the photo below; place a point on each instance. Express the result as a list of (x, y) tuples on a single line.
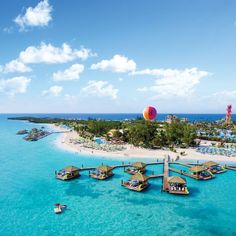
[(69, 172), (137, 167), (214, 167), (102, 172), (137, 182), (177, 185), (59, 208), (200, 172)]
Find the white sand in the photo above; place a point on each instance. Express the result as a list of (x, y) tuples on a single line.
[(131, 152)]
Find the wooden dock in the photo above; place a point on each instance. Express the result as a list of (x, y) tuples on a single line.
[(155, 176), (230, 167), (165, 175), (182, 164), (182, 173), (118, 166), (154, 163)]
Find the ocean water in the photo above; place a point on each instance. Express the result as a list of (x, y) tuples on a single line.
[(28, 191), (123, 116)]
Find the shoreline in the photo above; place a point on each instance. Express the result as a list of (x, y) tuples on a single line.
[(63, 141)]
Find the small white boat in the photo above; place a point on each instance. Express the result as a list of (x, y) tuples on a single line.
[(57, 210), (59, 207)]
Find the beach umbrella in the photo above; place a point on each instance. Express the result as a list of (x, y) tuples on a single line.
[(149, 113)]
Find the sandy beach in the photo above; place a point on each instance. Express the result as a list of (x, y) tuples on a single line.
[(64, 141)]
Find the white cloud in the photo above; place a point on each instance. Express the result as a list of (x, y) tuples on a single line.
[(48, 54), (143, 89), (71, 73), (118, 63), (173, 82), (39, 16), (120, 79), (101, 88), (223, 97), (53, 90), (14, 85), (15, 66)]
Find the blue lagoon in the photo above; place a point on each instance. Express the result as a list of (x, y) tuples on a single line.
[(29, 191)]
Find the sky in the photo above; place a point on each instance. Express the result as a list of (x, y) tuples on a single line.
[(117, 56)]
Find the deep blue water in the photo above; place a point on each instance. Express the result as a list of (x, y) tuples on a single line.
[(29, 190), (123, 116)]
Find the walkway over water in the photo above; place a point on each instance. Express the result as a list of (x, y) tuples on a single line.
[(230, 167), (182, 173), (119, 166), (165, 175)]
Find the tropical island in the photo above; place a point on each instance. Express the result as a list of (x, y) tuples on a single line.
[(141, 138)]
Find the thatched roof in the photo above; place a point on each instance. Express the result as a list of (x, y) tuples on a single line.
[(176, 179), (197, 169), (71, 168), (139, 164), (210, 163), (104, 168), (139, 177)]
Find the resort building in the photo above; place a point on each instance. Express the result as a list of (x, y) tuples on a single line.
[(214, 167), (102, 172), (137, 182), (137, 167), (70, 172), (171, 118), (201, 172), (177, 185)]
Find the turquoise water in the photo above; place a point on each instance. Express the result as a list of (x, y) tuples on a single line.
[(29, 190)]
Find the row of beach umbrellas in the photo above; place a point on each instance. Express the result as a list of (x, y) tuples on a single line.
[(216, 151)]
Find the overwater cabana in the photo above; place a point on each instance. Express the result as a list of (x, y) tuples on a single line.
[(70, 172), (201, 172), (102, 172), (137, 167), (214, 167), (177, 185), (137, 182)]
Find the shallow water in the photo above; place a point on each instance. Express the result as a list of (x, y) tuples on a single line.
[(29, 190)]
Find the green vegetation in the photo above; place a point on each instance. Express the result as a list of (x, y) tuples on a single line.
[(137, 132)]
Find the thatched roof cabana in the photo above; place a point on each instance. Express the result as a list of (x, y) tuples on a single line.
[(176, 179), (139, 177), (139, 165), (71, 169), (104, 168), (197, 169), (210, 164)]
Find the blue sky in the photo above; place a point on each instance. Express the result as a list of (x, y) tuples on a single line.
[(98, 56)]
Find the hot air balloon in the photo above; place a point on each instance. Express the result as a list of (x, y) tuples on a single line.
[(149, 113)]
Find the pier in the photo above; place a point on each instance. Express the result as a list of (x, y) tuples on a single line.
[(155, 176), (182, 173), (182, 164), (120, 166), (230, 167), (169, 183), (165, 187)]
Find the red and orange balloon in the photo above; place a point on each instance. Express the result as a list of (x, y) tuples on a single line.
[(149, 113)]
